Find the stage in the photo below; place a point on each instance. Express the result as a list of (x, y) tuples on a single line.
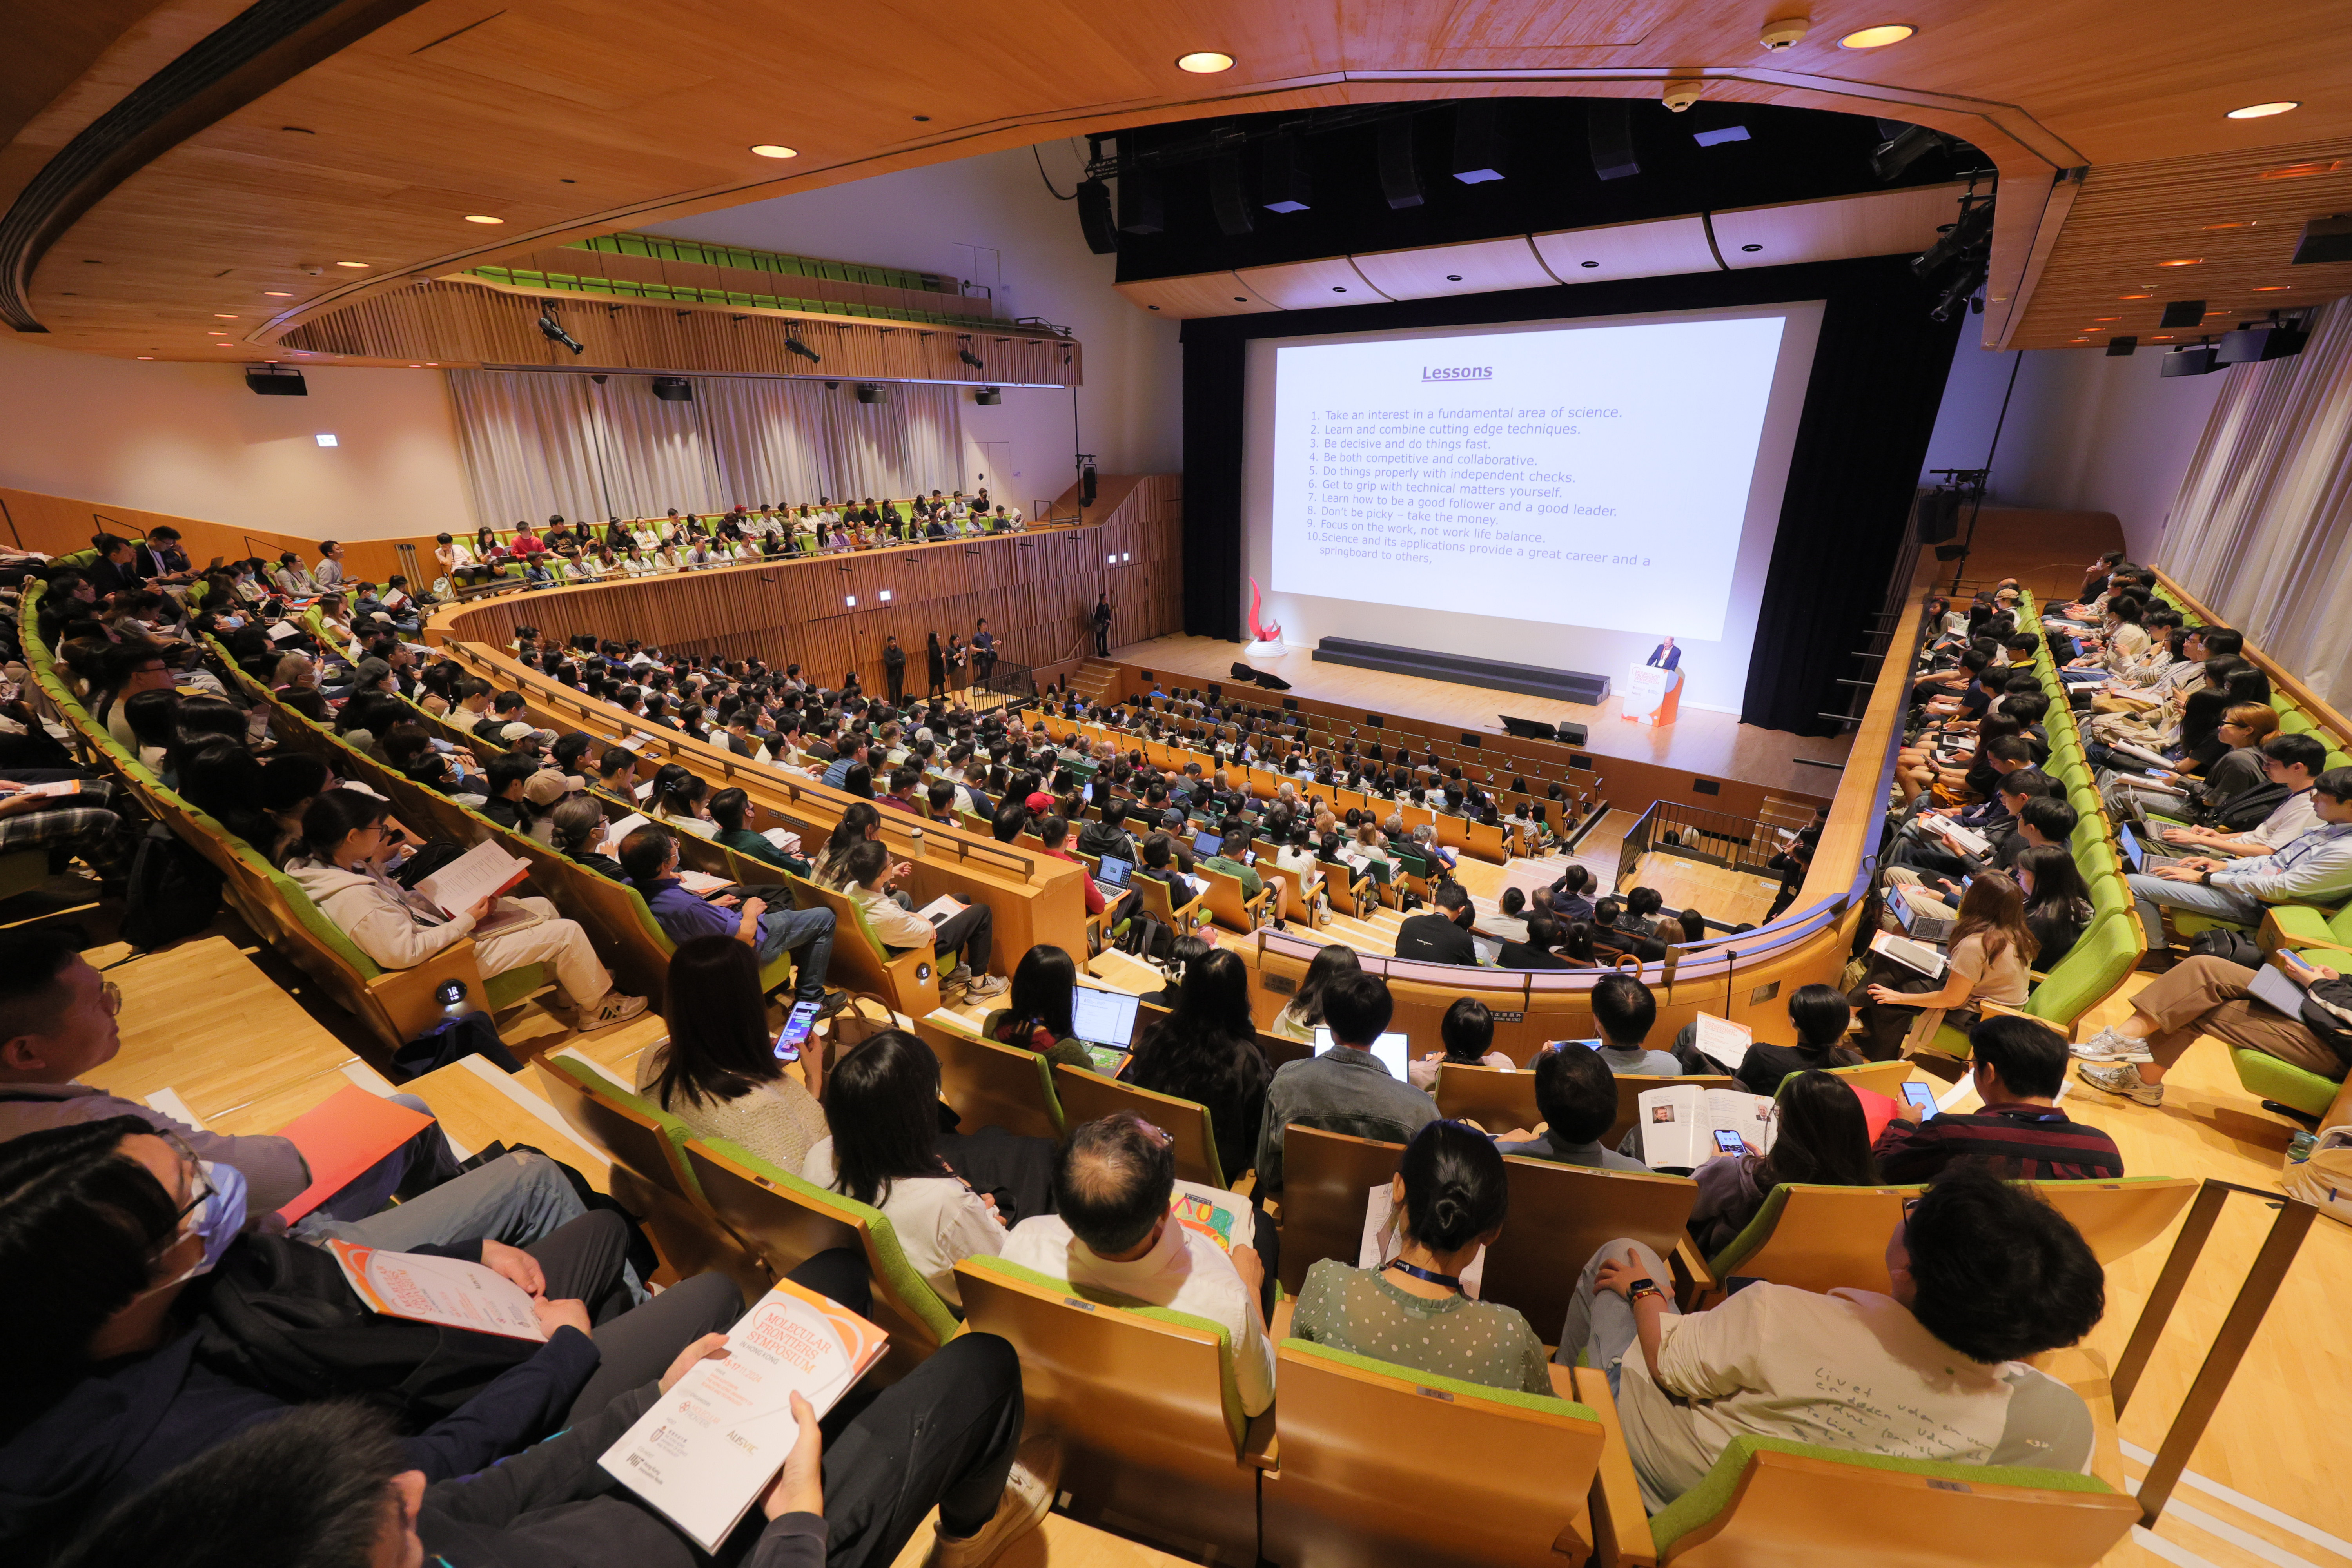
[(1698, 742)]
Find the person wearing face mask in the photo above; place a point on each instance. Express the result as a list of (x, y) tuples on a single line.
[(161, 1326)]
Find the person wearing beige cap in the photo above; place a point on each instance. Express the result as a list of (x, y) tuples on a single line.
[(543, 792)]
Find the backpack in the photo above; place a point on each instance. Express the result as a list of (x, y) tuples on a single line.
[(1145, 937), (453, 1039), (2318, 1172), (174, 891), (2249, 809), (2234, 946)]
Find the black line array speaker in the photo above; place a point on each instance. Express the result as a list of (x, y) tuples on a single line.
[(1939, 516), (1094, 217), (1400, 180), (1608, 123), (1227, 199)]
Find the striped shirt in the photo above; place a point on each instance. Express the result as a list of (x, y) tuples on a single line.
[(2027, 1141)]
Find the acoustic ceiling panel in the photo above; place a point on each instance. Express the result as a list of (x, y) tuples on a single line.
[(1305, 285), (1838, 228), (1481, 267), (1657, 248), (1199, 294)]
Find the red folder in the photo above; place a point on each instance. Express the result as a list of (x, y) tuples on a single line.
[(342, 1137), (1877, 1110)]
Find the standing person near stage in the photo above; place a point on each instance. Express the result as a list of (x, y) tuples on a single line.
[(893, 669), (1102, 625), (983, 653), (935, 661)]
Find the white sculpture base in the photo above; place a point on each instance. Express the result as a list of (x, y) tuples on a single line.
[(1266, 650)]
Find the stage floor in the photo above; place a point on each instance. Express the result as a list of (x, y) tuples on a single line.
[(1713, 745)]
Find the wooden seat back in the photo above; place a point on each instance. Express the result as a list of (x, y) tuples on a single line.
[(1090, 1097), (2119, 1217), (1327, 1181), (993, 1085), (1561, 1214), (1515, 1470), (1229, 905), (1497, 1099), (910, 980)]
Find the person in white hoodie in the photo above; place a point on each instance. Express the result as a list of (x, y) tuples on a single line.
[(341, 864)]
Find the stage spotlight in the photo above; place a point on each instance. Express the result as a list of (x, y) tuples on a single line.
[(1973, 229), (1906, 147), (673, 389), (2201, 360), (555, 334), (1971, 278), (970, 358), (802, 349)]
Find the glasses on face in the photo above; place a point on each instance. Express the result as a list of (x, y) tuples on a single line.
[(200, 1186), (110, 998)]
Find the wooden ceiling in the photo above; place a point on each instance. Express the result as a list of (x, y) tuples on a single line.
[(577, 118)]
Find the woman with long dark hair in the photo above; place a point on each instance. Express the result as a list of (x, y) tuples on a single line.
[(1037, 1012), (2057, 902), (717, 1070), (1304, 1014), (1990, 956), (1206, 1051), (882, 1103), (935, 660), (1821, 1138)]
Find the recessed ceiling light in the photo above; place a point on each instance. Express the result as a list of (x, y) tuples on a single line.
[(280, 293), (146, 356), (482, 217), (218, 333), (2183, 262), (351, 264), (416, 367), (2302, 171), (2271, 288), (1453, 277), (223, 316), (2247, 223), (2161, 338), (2265, 110), (2134, 296), (775, 150), (1204, 62), (1877, 38), (2107, 318)]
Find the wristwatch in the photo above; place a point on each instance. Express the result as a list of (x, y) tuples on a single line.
[(2205, 878), (1637, 1288)]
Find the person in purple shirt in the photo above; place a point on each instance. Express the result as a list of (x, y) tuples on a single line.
[(649, 855)]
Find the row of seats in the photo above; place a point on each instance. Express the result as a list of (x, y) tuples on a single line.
[(563, 571)]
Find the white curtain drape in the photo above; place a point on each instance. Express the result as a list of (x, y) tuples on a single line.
[(2261, 527), (537, 443)]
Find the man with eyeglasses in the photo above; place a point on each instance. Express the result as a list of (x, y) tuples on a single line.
[(59, 1020)]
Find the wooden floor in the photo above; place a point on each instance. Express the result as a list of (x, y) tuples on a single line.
[(1712, 743), (204, 1028)]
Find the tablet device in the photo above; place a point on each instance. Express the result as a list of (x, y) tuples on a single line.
[(1206, 844)]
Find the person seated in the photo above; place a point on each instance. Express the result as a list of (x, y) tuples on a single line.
[(2314, 868), (1441, 935), (1452, 1194), (1818, 1013), (342, 869), (506, 803), (2018, 1066), (649, 855), (1536, 952), (2207, 995), (1205, 1051), (1160, 863), (962, 939), (1345, 1088), (730, 811), (1820, 1138), (132, 1366), (1037, 1012), (881, 1106), (1984, 1275), (1303, 1014), (1228, 859), (1988, 958), (1625, 1012), (1577, 1095), (717, 1070), (1468, 1032), (576, 830), (1569, 896), (1639, 917), (1112, 1238)]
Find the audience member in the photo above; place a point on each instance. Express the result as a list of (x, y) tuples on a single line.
[(1820, 1138), (1624, 1011), (1303, 1014), (1988, 958), (1441, 935), (1345, 1088), (1576, 1092), (717, 1070), (2018, 1066), (1820, 1015), (1036, 1012), (649, 855), (1206, 1051), (1468, 1030), (962, 939), (2209, 996)]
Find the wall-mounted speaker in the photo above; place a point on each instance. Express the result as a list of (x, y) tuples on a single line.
[(1609, 127), (1478, 142), (1939, 516), (990, 396), (1095, 218), (1282, 183), (673, 389), (873, 395), (1226, 198), (2183, 313), (275, 381)]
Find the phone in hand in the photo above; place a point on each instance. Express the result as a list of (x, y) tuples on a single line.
[(1730, 1142), (1920, 1097), (795, 1032)]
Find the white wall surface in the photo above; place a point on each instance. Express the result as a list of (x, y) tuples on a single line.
[(2084, 432), (191, 440), (934, 219)]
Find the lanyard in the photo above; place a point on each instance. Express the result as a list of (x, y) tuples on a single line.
[(1428, 1275)]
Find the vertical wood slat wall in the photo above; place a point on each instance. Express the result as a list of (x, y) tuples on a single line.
[(1037, 592)]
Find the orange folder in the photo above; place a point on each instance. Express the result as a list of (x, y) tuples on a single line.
[(342, 1137)]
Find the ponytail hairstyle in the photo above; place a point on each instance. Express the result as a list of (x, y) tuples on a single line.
[(1455, 1187), (675, 790)]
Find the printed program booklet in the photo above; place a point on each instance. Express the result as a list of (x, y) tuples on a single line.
[(445, 1290), (709, 1446), (1722, 1041), (1684, 1127), (482, 872)]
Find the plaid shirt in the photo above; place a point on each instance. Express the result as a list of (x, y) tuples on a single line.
[(83, 824), (2028, 1142)]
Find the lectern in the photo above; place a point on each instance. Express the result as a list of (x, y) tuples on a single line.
[(1651, 695)]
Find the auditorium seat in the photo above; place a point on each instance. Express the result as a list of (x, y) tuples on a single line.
[(1499, 1100), (1143, 1398), (1090, 1097), (1229, 906), (992, 1085), (1561, 1214), (1326, 1182), (908, 982), (1769, 1501), (1383, 1464)]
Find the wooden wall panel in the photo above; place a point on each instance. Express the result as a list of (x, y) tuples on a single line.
[(1036, 590), (59, 525)]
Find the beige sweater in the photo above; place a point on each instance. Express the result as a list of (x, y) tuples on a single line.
[(780, 1121)]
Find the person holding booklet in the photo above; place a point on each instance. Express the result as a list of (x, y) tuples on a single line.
[(1820, 1138), (342, 867), (867, 869), (1990, 959)]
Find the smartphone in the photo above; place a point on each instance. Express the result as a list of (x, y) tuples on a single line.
[(1730, 1142), (795, 1032), (1922, 1099)]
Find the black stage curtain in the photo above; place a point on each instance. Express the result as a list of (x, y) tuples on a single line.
[(1877, 381)]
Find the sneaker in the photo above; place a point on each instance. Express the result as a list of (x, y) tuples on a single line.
[(981, 985), (614, 1009), (1028, 1497), (834, 1002), (2120, 1078), (2107, 1046)]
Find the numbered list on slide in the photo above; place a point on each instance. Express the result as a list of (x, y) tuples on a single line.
[(1563, 476)]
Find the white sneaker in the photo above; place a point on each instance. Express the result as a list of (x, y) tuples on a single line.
[(2121, 1078), (614, 1009), (981, 985), (1028, 1497), (2107, 1046)]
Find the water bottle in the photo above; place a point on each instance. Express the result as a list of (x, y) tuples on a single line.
[(917, 836)]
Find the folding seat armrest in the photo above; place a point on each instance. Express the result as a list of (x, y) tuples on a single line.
[(1694, 1282), (1620, 1525)]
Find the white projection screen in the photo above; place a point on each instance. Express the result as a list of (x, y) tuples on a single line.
[(1552, 493)]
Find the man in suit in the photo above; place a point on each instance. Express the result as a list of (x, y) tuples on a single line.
[(1441, 935), (1665, 655)]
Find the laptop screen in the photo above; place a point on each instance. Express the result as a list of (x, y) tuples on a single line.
[(1388, 1048), (1102, 1017), (1113, 872), (1206, 844), (2134, 851)]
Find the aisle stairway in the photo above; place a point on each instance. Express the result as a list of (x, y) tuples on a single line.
[(1093, 680)]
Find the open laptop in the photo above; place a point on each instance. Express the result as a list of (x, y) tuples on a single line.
[(1918, 922), (1389, 1049), (1207, 843), (1104, 1022), (2143, 858), (1111, 875)]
